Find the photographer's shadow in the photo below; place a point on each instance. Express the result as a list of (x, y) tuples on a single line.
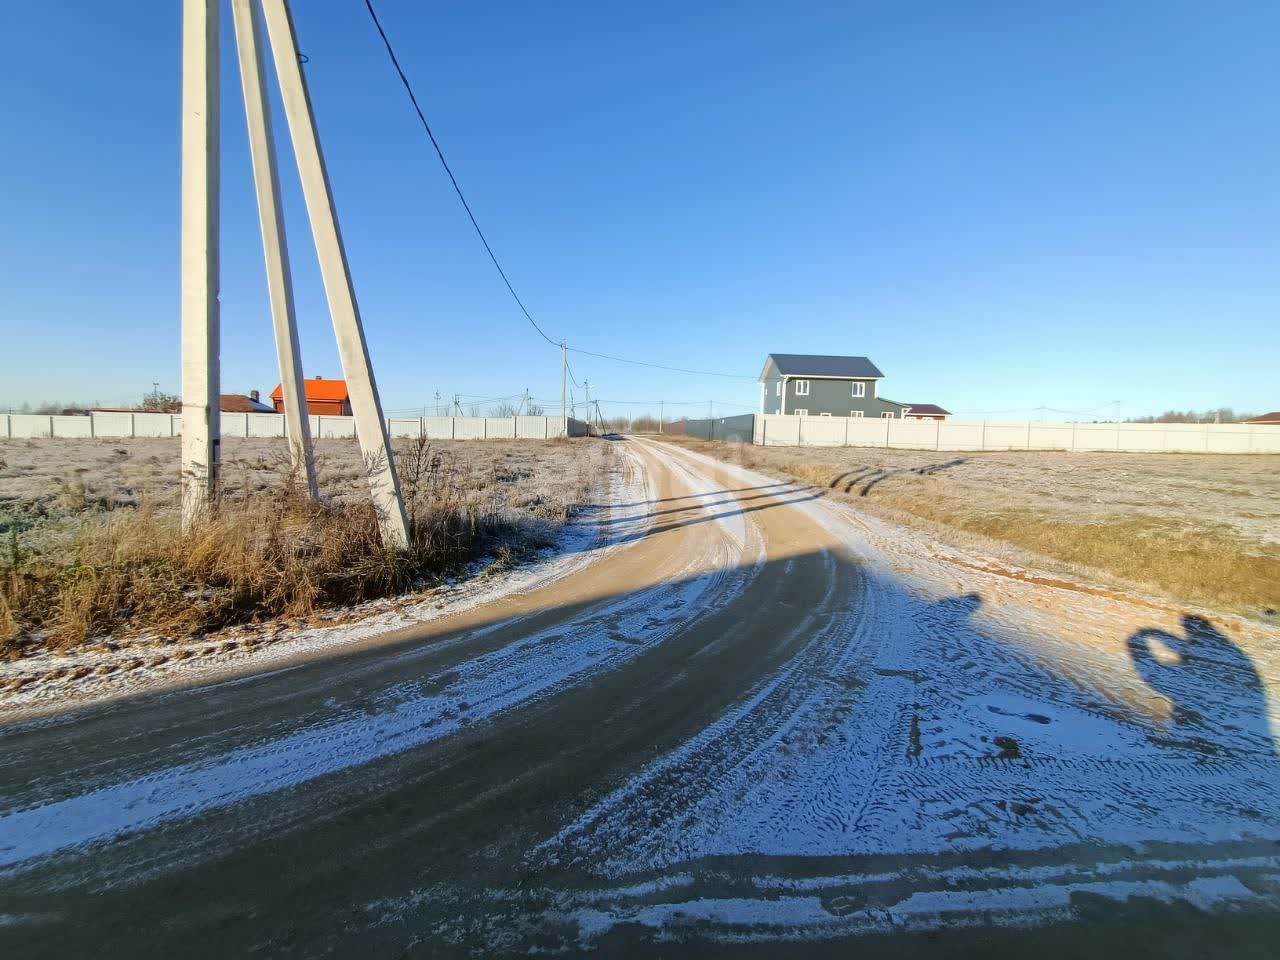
[(1219, 703)]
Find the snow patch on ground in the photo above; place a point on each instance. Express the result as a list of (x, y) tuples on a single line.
[(802, 917), (407, 715), (979, 723)]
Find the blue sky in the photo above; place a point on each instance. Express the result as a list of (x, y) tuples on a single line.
[(1005, 205)]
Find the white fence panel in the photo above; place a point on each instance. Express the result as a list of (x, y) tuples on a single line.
[(1142, 437), (500, 428), (821, 431), (1050, 436), (959, 436), (1264, 439), (770, 429), (30, 425), (71, 427), (536, 428), (1008, 436), (779, 431), (331, 428), (112, 424), (789, 430), (438, 428), (864, 432), (404, 427), (124, 424), (912, 434), (152, 425), (468, 428), (1096, 436), (233, 424), (1228, 438), (264, 424)]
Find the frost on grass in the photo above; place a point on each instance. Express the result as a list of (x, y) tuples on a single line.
[(93, 551), (1198, 528)]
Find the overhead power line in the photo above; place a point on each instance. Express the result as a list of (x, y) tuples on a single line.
[(663, 366), (452, 179), (404, 80)]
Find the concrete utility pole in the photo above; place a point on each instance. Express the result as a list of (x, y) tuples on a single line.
[(275, 248), (200, 341), (371, 426), (564, 365)]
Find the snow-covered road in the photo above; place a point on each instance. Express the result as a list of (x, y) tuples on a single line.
[(743, 712)]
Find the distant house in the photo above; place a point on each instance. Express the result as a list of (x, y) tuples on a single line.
[(816, 385), (1272, 418), (238, 403), (323, 396), (925, 411)]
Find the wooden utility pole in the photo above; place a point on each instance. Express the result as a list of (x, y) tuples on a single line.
[(275, 248), (371, 426), (200, 340), (661, 417), (564, 365)]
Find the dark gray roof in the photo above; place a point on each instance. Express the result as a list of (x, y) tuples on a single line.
[(821, 365), (929, 409)]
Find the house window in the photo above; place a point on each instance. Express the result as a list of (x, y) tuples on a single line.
[(887, 416), (778, 389), (802, 413), (856, 414), (859, 388), (824, 414), (802, 388)]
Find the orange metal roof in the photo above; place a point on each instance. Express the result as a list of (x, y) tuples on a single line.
[(318, 388)]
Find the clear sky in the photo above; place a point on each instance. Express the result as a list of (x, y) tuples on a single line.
[(1004, 205)]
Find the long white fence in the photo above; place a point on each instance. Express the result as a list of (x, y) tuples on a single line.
[(15, 426), (786, 430)]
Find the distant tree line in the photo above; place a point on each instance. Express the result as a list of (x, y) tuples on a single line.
[(1219, 415), (157, 401)]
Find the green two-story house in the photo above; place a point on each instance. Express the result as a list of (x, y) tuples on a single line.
[(814, 385)]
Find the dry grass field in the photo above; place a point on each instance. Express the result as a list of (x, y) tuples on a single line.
[(1199, 528), (92, 546)]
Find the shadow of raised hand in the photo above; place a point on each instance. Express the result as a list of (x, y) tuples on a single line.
[(1212, 685)]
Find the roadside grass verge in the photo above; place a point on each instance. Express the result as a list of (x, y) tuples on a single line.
[(1184, 555), (267, 551)]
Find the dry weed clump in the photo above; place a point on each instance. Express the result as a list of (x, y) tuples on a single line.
[(267, 551)]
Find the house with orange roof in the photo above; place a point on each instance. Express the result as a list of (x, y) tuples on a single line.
[(323, 396)]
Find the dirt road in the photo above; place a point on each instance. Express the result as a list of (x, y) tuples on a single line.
[(755, 717)]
